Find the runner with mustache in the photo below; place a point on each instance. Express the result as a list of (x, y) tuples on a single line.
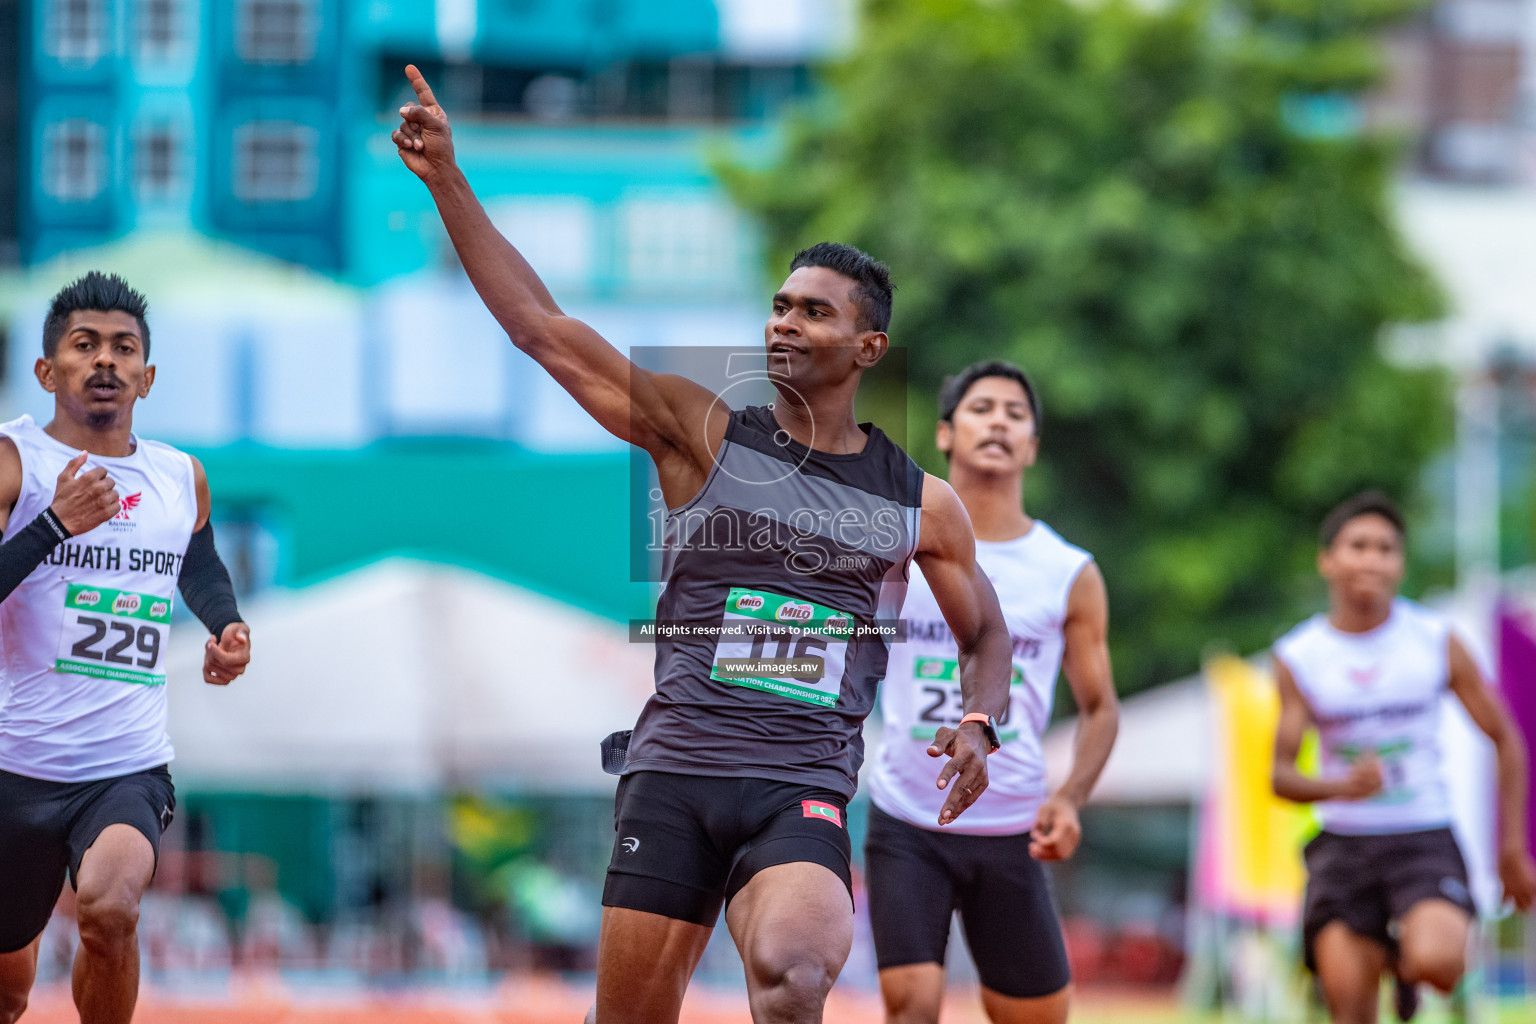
[(1386, 883), (987, 866), (789, 534), (101, 528)]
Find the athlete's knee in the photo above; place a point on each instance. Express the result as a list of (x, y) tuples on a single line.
[(1441, 968), (1351, 1006), (1050, 1008), (911, 1011), (12, 1006), (794, 982), (108, 921)]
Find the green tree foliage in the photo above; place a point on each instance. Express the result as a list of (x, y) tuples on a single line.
[(1166, 213)]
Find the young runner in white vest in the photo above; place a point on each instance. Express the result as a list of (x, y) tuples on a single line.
[(101, 529), (1386, 886), (986, 865)]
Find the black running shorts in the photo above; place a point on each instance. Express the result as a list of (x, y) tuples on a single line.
[(46, 827), (1369, 881), (684, 845), (918, 878)]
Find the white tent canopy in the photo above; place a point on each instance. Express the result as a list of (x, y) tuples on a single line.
[(408, 676), (1162, 754)]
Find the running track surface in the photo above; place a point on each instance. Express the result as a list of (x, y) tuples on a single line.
[(524, 1001)]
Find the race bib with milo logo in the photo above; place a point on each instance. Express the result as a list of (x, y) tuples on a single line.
[(782, 645), (114, 634), (943, 703)]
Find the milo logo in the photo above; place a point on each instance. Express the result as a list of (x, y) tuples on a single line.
[(126, 604), (749, 602), (88, 598), (159, 610), (795, 611), (931, 669), (836, 624)]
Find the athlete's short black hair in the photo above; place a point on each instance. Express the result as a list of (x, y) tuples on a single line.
[(103, 293), (1366, 503), (872, 279), (952, 393)]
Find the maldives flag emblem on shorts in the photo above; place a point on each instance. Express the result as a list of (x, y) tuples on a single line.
[(820, 809)]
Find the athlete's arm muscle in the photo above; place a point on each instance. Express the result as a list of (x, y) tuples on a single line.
[(204, 498), (10, 479), (1487, 710), (1085, 663), (674, 419), (946, 552), (1288, 781)]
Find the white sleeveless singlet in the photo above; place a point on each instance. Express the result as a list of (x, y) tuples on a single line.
[(87, 633), (1033, 576), (1380, 693)]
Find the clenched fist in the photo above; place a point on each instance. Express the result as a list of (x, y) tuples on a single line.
[(84, 502)]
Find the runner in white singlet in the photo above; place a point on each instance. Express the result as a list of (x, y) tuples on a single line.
[(102, 529), (986, 865), (1387, 885)]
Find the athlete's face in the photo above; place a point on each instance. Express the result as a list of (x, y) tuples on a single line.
[(98, 370), (1365, 561), (993, 429), (813, 334)]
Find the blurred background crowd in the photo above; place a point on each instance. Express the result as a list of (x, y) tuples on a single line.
[(1257, 254)]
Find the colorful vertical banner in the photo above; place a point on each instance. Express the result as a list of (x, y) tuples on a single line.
[(1517, 683), (1249, 850)]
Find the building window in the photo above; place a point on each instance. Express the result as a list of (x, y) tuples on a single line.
[(276, 161), (76, 29), (159, 28), (155, 171), (74, 164), (277, 31)]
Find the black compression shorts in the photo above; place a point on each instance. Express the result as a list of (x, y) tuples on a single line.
[(46, 827), (918, 878), (684, 845), (1367, 882)]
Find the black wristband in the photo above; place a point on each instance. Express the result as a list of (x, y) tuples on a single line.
[(25, 550), (54, 523)]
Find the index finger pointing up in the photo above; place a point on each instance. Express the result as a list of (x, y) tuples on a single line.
[(423, 90)]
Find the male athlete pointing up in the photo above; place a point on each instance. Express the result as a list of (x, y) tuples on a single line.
[(790, 528)]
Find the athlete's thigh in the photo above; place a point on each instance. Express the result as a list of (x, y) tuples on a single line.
[(114, 837), (644, 962), (1010, 920), (33, 858), (911, 892), (1349, 969), (1433, 935), (117, 866), (18, 969), (668, 834), (789, 915)]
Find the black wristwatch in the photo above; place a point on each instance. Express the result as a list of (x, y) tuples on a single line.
[(988, 728)]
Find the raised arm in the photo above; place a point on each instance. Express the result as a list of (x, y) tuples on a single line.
[(1086, 665), (947, 555), (1288, 781), (1487, 710), (677, 421)]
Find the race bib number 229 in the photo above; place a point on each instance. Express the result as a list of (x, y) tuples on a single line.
[(114, 634)]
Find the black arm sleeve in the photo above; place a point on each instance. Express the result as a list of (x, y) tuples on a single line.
[(205, 583), (26, 549)]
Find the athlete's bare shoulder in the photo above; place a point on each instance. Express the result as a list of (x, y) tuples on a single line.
[(10, 477), (204, 496)]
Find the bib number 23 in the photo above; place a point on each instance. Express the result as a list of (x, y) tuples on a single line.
[(113, 634)]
